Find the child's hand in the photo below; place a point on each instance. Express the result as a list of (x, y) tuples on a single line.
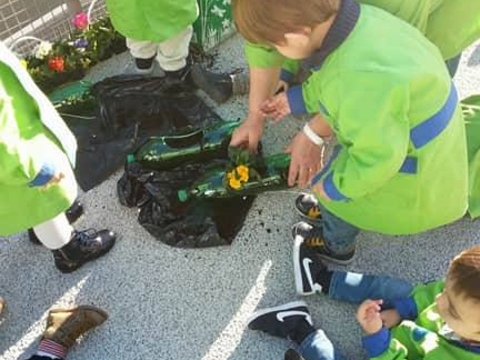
[(306, 160), (281, 87), (368, 316), (390, 318), (54, 180), (276, 107)]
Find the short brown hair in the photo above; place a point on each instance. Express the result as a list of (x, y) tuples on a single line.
[(464, 273), (267, 21)]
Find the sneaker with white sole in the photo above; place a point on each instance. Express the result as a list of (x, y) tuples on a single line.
[(312, 236), (280, 321), (306, 266)]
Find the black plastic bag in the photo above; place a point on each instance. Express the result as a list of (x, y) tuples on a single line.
[(187, 225), (129, 109)]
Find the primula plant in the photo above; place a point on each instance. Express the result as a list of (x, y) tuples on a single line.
[(53, 64), (242, 168)]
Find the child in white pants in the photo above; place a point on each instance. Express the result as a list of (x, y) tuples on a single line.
[(37, 184)]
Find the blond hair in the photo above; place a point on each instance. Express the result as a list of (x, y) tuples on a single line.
[(267, 21)]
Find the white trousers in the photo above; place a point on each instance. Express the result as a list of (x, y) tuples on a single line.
[(171, 54), (55, 233)]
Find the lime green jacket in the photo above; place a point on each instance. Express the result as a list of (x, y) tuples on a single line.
[(34, 144), (452, 25), (401, 163), (151, 20), (418, 336)]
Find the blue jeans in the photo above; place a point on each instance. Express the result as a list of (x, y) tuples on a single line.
[(353, 288), (339, 235), (452, 65)]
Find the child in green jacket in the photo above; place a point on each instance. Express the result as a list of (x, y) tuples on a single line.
[(162, 30), (400, 166), (432, 321)]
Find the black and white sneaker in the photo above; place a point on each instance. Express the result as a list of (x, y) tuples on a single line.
[(312, 237), (308, 208), (280, 321), (306, 266)]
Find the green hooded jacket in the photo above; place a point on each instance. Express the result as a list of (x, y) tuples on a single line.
[(34, 142), (151, 20), (401, 163)]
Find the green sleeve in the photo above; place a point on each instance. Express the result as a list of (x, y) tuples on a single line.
[(370, 120), (424, 295), (16, 164), (262, 56)]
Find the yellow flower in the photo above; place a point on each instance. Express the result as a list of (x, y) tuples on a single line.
[(234, 183), (24, 63), (243, 172)]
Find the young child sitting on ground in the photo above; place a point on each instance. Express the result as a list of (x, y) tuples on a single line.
[(432, 321), (401, 163)]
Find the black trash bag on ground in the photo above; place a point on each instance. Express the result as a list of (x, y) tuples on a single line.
[(128, 110), (199, 223)]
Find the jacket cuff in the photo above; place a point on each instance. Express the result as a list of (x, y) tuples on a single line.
[(286, 76), (376, 344), (295, 100), (331, 189), (407, 309), (45, 174)]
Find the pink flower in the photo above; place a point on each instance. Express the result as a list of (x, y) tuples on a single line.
[(80, 21)]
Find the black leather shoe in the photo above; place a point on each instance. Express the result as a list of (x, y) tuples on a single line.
[(73, 214), (219, 87), (84, 246)]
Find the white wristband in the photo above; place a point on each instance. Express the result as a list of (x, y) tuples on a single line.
[(317, 140)]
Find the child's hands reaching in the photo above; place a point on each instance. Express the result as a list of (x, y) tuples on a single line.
[(368, 316), (390, 318), (276, 107)]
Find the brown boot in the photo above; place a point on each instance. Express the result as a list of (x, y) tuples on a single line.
[(2, 305), (65, 326)]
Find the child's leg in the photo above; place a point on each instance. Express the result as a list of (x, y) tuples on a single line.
[(452, 65), (317, 346), (172, 53), (293, 321), (312, 275), (333, 239), (55, 233), (338, 234), (355, 287), (142, 49)]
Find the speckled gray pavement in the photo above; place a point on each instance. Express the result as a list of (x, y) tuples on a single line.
[(173, 304)]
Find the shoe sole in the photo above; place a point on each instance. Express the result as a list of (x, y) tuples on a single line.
[(68, 270), (287, 306), (99, 311), (323, 256)]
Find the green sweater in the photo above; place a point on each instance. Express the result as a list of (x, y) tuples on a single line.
[(418, 335), (151, 20), (398, 169), (34, 142), (452, 25)]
